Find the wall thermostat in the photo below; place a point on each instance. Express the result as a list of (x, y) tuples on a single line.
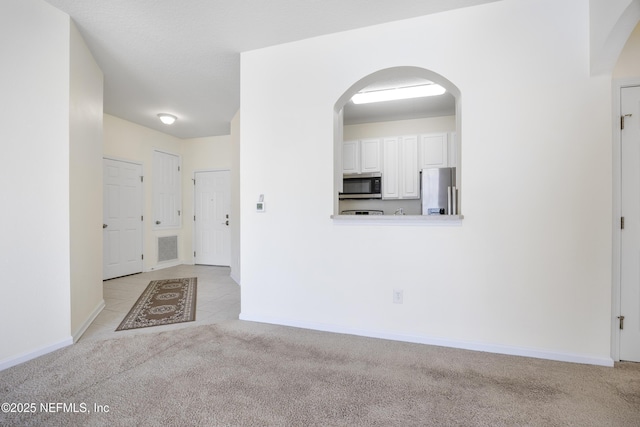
[(260, 207)]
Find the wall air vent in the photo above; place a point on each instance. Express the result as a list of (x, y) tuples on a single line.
[(167, 248)]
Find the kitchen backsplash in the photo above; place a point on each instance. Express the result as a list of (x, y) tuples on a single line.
[(409, 207)]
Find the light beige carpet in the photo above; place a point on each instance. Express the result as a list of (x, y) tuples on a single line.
[(248, 374)]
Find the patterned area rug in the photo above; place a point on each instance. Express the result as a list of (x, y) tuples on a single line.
[(162, 303)]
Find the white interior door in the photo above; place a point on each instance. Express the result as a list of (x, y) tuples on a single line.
[(211, 221), (630, 234), (122, 218), (166, 190)]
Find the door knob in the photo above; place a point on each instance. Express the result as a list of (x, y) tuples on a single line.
[(158, 222), (226, 222), (104, 225)]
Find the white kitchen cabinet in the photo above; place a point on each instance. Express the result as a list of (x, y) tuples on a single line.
[(363, 156), (391, 168), (401, 176), (434, 151), (371, 155), (350, 157), (409, 172)]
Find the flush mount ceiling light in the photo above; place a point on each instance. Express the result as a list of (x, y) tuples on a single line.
[(167, 119), (408, 92)]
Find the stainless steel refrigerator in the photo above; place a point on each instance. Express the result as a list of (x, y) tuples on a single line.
[(438, 191)]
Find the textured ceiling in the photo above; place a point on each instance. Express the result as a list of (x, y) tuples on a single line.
[(183, 57)]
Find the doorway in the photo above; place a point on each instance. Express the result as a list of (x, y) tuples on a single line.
[(122, 219), (212, 237), (628, 315), (346, 113)]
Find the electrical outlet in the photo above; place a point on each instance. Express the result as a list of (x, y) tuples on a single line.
[(397, 296)]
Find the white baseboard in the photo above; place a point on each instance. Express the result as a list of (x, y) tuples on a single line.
[(234, 277), (89, 321), (165, 265), (13, 361), (464, 345)]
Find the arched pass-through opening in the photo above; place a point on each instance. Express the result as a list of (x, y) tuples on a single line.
[(373, 82)]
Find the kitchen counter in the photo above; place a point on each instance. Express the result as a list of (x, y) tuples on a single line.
[(449, 220)]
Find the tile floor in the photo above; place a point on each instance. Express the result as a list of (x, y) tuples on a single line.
[(218, 300)]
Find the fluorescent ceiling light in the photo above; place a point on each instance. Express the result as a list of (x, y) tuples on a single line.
[(167, 119), (398, 93)]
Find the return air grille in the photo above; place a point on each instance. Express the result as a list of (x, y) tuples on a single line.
[(167, 248)]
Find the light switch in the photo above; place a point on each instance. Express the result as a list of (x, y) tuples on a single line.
[(260, 206)]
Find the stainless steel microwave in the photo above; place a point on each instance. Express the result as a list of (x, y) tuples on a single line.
[(362, 186)]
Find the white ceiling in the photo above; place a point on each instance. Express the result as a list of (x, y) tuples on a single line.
[(183, 57)]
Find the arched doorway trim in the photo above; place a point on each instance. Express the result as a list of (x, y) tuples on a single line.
[(383, 75)]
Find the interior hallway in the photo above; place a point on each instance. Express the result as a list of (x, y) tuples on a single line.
[(217, 300)]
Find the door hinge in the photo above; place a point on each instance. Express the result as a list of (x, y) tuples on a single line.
[(194, 254), (178, 168), (621, 223), (141, 178), (621, 321), (194, 217), (194, 181), (178, 213), (142, 256), (141, 217), (622, 120)]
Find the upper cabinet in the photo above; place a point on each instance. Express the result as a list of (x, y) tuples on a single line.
[(371, 155), (363, 156), (351, 157), (409, 171), (391, 170), (434, 151), (400, 177)]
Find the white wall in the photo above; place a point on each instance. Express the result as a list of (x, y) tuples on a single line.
[(85, 126), (611, 24), (235, 198), (34, 180), (400, 128), (628, 65), (529, 270)]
